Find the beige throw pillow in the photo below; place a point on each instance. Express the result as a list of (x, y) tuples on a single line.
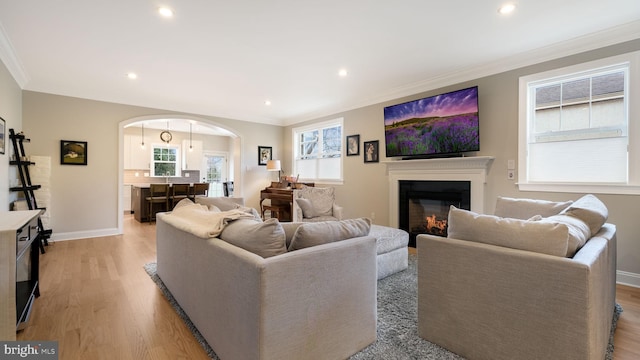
[(306, 207), (578, 231), (312, 234), (265, 239), (590, 210), (537, 236)]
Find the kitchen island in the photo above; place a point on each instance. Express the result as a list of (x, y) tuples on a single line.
[(140, 205)]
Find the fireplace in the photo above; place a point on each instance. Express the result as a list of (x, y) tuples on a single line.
[(424, 205)]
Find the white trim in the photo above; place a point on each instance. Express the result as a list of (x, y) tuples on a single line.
[(472, 169), (11, 61), (611, 36), (79, 235), (633, 130), (628, 278)]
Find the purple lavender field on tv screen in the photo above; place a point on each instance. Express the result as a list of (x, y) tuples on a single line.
[(441, 124)]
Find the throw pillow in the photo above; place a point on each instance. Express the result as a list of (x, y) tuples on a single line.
[(265, 239), (312, 234), (537, 236), (590, 210), (579, 231), (306, 207), (526, 208)]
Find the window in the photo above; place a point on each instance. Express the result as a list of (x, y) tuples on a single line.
[(318, 151), (577, 128), (165, 160)]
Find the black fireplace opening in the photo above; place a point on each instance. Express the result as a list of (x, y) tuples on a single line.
[(424, 205)]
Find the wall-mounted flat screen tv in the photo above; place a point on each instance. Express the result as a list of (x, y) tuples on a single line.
[(441, 125)]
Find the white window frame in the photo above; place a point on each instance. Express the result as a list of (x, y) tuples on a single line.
[(632, 91), (177, 162), (296, 148)]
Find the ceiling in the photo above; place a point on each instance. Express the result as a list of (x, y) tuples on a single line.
[(226, 58)]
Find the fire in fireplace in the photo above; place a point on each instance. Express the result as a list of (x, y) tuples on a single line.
[(424, 205)]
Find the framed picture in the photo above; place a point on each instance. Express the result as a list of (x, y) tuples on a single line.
[(265, 154), (3, 135), (371, 151), (73, 152), (353, 145)]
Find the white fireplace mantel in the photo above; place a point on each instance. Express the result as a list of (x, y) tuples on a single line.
[(473, 169)]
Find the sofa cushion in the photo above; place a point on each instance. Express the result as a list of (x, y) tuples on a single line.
[(578, 231), (590, 210), (265, 239), (507, 207), (537, 236), (317, 233)]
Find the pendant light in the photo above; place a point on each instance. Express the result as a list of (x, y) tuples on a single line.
[(142, 137)]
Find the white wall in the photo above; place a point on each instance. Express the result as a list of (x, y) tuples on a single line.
[(365, 188), (11, 112)]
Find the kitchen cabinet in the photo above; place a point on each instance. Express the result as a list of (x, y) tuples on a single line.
[(192, 160), (126, 198), (135, 157)]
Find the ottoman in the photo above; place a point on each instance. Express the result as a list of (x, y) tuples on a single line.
[(391, 249)]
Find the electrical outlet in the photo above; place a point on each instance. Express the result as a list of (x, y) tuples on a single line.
[(511, 174), (373, 216)]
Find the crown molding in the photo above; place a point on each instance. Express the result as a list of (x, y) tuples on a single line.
[(615, 35), (10, 60)]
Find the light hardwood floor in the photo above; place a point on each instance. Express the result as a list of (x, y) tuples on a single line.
[(99, 303)]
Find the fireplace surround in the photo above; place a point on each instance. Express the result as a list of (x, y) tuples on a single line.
[(460, 169)]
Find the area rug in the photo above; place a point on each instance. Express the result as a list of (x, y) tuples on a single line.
[(397, 321)]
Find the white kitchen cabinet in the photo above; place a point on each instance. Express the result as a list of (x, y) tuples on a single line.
[(192, 160), (135, 157)]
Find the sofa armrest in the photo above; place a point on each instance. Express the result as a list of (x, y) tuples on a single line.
[(476, 298), (337, 211)]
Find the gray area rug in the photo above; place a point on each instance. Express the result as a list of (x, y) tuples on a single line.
[(397, 321)]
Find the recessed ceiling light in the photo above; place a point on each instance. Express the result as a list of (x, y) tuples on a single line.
[(267, 102), (132, 75), (507, 9), (166, 12), (342, 72)]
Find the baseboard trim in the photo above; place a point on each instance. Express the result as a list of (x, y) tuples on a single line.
[(628, 278), (79, 235)]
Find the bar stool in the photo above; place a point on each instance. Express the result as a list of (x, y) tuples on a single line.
[(199, 189), (158, 194), (179, 192)]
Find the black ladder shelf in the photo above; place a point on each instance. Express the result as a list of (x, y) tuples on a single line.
[(27, 187)]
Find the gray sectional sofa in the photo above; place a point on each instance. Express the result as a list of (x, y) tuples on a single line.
[(317, 302)]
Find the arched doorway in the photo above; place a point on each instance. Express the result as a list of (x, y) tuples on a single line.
[(184, 132)]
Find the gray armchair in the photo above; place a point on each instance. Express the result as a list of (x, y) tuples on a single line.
[(312, 204)]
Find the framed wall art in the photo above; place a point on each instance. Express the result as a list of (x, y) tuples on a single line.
[(265, 153), (73, 152), (353, 145), (3, 135), (371, 151)]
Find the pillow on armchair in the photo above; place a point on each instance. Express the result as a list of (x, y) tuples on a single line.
[(315, 204)]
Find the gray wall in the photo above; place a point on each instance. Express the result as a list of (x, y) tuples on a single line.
[(11, 112), (85, 198), (365, 187)]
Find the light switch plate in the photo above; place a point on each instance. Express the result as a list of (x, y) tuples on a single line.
[(511, 164)]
